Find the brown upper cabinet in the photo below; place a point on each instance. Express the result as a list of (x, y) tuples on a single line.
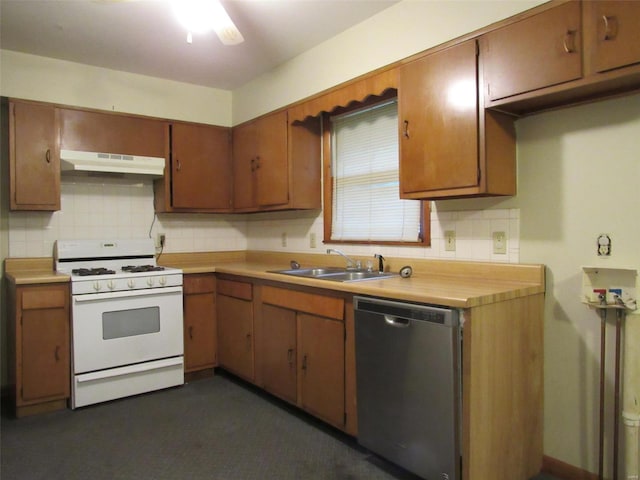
[(107, 132), (613, 34), (200, 170), (34, 158), (276, 164), (536, 52), (449, 146), (562, 53)]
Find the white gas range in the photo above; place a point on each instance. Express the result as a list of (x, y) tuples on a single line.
[(127, 319)]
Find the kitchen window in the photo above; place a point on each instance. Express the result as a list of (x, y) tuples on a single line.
[(362, 202)]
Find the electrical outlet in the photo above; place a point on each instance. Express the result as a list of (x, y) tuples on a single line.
[(450, 240), (160, 240), (604, 245), (283, 238), (312, 240), (499, 243)]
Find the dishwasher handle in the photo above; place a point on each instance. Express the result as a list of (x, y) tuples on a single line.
[(396, 322), (399, 312)]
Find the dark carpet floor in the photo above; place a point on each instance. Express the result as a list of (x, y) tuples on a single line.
[(217, 428)]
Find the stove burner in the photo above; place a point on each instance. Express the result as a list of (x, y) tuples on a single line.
[(142, 268), (84, 272)]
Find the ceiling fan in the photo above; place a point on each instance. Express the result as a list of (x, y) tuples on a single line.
[(200, 16)]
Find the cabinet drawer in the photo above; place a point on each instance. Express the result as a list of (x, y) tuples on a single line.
[(205, 283), (321, 305), (235, 289), (44, 297)]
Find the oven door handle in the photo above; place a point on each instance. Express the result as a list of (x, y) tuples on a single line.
[(90, 297)]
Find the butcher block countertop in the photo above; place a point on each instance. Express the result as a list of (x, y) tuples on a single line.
[(456, 284)]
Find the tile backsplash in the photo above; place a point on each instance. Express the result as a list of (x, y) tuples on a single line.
[(95, 207), (105, 208), (474, 235)]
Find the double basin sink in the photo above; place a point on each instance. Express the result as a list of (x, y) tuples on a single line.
[(336, 274)]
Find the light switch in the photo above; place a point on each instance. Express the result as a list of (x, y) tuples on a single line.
[(450, 240)]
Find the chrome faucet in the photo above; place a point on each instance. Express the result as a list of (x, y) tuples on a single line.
[(351, 263)]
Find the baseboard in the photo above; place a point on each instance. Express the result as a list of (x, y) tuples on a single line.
[(563, 470)]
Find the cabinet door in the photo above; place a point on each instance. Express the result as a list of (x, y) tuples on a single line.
[(438, 122), (44, 344), (34, 158), (235, 335), (271, 171), (536, 52), (244, 162), (616, 40), (111, 133), (279, 352), (321, 364), (199, 322), (200, 167)]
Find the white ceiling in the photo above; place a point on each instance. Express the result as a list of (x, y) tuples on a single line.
[(143, 36)]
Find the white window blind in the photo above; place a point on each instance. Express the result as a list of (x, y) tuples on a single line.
[(366, 203)]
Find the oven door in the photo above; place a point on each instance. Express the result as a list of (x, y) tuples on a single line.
[(115, 329)]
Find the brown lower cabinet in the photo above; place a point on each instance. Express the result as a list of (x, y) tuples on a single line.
[(279, 352), (40, 351), (321, 365), (235, 327), (300, 350), (199, 322)]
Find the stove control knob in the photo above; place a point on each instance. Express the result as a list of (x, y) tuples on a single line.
[(111, 285), (163, 281), (97, 286), (131, 283), (150, 281)]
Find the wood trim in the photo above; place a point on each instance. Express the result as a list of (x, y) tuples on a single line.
[(343, 96), (503, 389), (321, 305), (199, 283), (28, 264), (563, 470), (46, 407), (235, 289)]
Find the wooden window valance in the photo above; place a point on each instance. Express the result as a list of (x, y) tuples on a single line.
[(345, 95)]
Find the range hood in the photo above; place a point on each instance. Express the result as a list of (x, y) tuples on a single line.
[(98, 162)]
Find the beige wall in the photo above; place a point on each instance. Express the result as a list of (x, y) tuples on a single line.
[(40, 78)]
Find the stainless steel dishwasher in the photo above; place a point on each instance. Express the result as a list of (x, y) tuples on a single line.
[(408, 364)]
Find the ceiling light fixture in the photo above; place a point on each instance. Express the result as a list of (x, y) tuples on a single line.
[(201, 16)]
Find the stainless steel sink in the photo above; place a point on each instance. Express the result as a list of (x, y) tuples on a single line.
[(335, 274)]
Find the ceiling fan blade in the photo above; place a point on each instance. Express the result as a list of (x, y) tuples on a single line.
[(224, 26)]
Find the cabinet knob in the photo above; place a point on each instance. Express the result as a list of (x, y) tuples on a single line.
[(405, 130), (47, 155), (304, 362), (56, 354), (178, 165)]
